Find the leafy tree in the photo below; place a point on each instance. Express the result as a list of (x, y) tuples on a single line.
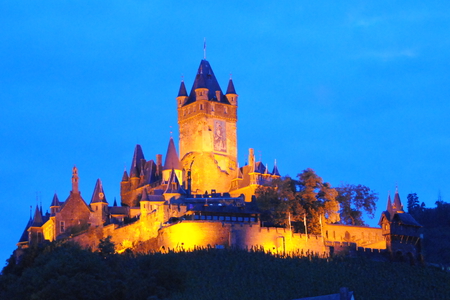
[(354, 199), (413, 202), (318, 200)]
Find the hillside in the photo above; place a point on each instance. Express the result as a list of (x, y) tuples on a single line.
[(65, 271)]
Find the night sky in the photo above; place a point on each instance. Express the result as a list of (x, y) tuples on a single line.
[(358, 91)]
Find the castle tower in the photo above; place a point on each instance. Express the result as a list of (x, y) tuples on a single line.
[(35, 234), (99, 205), (55, 206), (208, 134), (402, 232)]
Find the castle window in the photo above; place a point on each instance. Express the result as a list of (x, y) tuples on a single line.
[(240, 219), (62, 226), (221, 218), (201, 106), (246, 219), (212, 107), (227, 218), (225, 110), (214, 217), (233, 218)]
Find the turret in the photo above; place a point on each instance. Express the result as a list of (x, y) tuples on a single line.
[(231, 93), (55, 206), (99, 205), (75, 180), (136, 165), (35, 235), (275, 171), (182, 95)]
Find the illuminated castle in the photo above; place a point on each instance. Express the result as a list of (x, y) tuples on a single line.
[(198, 199)]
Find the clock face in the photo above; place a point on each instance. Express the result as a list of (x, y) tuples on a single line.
[(101, 196), (220, 136)]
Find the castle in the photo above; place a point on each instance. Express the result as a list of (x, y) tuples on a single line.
[(200, 197)]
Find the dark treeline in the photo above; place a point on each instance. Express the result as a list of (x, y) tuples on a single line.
[(436, 228), (65, 271)]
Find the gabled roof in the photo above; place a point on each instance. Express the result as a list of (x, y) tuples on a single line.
[(37, 219), (205, 78), (99, 195), (406, 219), (173, 186), (182, 92), (230, 88), (138, 155), (172, 161)]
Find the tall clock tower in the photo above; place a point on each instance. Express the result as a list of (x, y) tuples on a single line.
[(208, 134)]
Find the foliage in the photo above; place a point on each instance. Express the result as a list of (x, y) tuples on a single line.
[(353, 200), (106, 247), (413, 202), (308, 197), (65, 271)]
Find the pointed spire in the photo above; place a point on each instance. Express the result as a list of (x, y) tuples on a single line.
[(99, 195), (172, 161), (397, 207), (55, 201), (24, 236), (37, 219), (115, 202), (275, 171), (182, 92), (125, 176), (230, 88), (75, 180), (136, 162), (266, 171)]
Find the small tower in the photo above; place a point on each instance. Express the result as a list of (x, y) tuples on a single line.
[(99, 205), (35, 234), (55, 206), (402, 232), (182, 95), (75, 189), (231, 93)]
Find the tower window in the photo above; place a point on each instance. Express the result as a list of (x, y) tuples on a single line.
[(62, 226), (201, 106), (212, 107)]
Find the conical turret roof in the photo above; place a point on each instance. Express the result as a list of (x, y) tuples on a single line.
[(397, 207), (138, 155), (99, 195), (205, 78), (275, 170), (24, 236), (182, 92), (37, 219), (55, 201), (172, 161), (173, 186), (230, 88)]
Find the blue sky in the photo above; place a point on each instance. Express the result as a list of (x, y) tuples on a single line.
[(358, 91)]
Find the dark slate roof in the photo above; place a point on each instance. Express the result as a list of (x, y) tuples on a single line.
[(99, 195), (172, 161), (230, 88), (226, 209), (406, 219), (260, 168), (182, 92), (24, 236), (125, 176), (37, 219), (150, 175), (397, 203), (205, 78), (115, 202), (275, 170), (138, 155), (173, 186), (55, 201), (119, 210)]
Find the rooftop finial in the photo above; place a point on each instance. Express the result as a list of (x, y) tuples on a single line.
[(182, 78), (170, 131), (231, 76), (204, 48)]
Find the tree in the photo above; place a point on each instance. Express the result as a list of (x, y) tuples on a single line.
[(318, 200), (413, 202), (354, 199), (273, 200)]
